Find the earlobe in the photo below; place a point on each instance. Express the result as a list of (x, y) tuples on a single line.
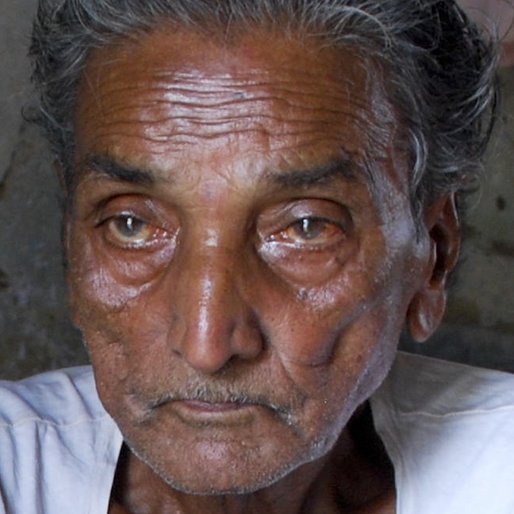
[(428, 305), (425, 313)]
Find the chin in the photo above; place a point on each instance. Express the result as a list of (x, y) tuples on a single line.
[(241, 474)]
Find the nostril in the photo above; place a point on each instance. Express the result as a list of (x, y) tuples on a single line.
[(248, 339)]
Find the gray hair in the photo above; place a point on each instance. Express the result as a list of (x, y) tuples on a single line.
[(440, 67)]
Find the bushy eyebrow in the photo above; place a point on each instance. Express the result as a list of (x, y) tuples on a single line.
[(108, 167)]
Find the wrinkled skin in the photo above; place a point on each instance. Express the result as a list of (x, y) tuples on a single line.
[(242, 259)]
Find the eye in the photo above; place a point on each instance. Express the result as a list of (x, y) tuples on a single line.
[(310, 231), (129, 231)]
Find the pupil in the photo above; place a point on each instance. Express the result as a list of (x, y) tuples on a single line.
[(130, 226), (310, 228)]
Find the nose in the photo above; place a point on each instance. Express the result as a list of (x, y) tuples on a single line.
[(211, 322)]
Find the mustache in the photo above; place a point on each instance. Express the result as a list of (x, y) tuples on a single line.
[(281, 402), (209, 394)]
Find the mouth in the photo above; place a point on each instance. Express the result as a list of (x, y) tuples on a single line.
[(200, 406), (201, 413), (209, 406)]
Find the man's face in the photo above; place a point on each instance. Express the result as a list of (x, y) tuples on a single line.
[(242, 253)]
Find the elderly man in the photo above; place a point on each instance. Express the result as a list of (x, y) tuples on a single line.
[(260, 196)]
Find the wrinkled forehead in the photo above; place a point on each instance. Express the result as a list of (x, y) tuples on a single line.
[(179, 92)]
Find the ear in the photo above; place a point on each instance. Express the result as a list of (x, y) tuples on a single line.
[(427, 306)]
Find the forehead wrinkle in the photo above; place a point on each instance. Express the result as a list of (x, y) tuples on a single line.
[(213, 109), (202, 97), (176, 98), (220, 119), (172, 143), (212, 114), (187, 78), (200, 81), (208, 85), (162, 126), (159, 126)]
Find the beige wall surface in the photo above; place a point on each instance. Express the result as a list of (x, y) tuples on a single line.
[(35, 333)]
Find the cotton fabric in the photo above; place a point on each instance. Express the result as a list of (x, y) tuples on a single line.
[(448, 429)]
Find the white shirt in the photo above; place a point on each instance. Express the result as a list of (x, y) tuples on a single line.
[(448, 428), (449, 431), (58, 446)]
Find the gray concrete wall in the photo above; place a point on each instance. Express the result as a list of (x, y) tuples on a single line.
[(35, 333), (34, 330), (479, 323)]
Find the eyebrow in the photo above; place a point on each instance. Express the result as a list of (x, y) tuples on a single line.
[(342, 167), (108, 167)]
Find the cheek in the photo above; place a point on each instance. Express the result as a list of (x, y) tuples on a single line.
[(327, 360), (310, 324), (101, 310), (122, 319), (362, 354), (103, 283), (338, 342)]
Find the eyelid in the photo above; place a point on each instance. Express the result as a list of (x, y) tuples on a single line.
[(282, 216), (156, 237), (104, 216), (325, 239)]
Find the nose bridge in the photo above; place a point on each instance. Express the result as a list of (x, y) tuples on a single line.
[(211, 321), (213, 291)]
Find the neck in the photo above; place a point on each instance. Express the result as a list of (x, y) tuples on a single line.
[(356, 476)]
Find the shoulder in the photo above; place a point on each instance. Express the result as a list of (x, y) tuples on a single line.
[(55, 434), (56, 397), (447, 428), (418, 384)]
